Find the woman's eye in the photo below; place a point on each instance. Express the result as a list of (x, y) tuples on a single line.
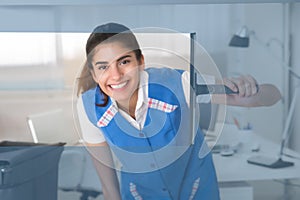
[(102, 67), (124, 62)]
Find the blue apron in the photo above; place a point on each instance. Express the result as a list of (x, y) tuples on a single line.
[(158, 162)]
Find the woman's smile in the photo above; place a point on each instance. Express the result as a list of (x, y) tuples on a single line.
[(118, 86)]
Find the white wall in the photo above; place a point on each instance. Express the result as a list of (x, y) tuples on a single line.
[(266, 21)]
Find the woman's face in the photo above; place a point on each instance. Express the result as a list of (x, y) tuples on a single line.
[(116, 70)]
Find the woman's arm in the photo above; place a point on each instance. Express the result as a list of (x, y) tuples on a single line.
[(103, 162), (250, 93)]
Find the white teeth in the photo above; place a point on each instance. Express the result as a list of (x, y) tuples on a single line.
[(119, 85)]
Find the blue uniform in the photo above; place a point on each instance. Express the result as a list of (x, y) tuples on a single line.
[(158, 162)]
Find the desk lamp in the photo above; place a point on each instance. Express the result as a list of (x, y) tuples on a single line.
[(241, 39)]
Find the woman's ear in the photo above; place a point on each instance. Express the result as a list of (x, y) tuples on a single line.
[(142, 63)]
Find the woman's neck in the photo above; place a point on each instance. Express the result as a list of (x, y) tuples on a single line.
[(129, 107)]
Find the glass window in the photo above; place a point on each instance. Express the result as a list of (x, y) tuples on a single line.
[(27, 49)]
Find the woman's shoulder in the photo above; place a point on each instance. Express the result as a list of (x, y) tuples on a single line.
[(90, 91), (164, 74), (164, 70)]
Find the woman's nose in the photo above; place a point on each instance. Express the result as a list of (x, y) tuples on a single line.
[(115, 72)]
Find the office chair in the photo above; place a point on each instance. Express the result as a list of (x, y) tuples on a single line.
[(74, 167)]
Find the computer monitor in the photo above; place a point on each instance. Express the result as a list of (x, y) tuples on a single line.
[(51, 127)]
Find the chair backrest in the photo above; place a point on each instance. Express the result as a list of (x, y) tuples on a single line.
[(71, 168), (52, 127), (77, 172)]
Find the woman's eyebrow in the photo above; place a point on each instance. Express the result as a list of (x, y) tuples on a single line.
[(122, 57), (101, 63), (105, 62)]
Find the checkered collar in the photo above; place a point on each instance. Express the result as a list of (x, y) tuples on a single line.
[(152, 103), (108, 115)]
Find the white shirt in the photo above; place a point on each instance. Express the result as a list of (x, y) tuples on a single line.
[(92, 134)]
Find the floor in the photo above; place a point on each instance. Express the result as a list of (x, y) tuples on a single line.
[(263, 190)]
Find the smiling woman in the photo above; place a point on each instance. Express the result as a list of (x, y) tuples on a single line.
[(138, 110), (143, 115)]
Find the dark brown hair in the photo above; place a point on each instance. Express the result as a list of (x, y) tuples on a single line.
[(106, 33)]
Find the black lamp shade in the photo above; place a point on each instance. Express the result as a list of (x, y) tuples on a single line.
[(237, 41)]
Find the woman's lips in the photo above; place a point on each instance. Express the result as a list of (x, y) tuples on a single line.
[(118, 86)]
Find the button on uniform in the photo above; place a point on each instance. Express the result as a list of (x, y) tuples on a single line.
[(141, 134), (152, 165)]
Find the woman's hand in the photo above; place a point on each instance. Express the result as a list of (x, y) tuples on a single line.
[(250, 93), (245, 85)]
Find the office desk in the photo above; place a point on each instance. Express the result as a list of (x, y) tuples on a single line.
[(235, 169)]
